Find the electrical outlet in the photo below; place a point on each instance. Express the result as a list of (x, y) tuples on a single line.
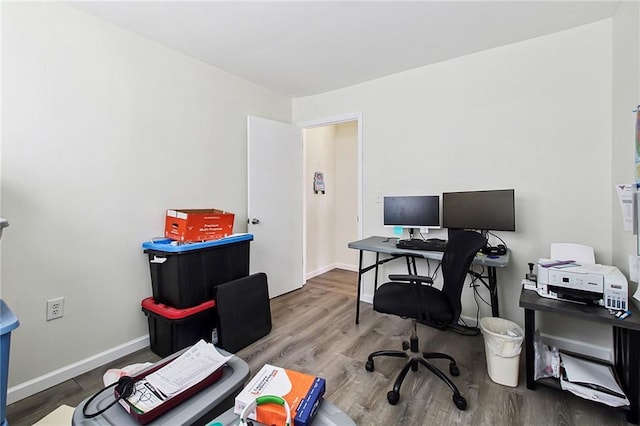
[(55, 308)]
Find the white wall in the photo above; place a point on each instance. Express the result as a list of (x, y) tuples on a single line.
[(626, 96), (346, 211), (102, 131), (534, 116), (331, 217), (320, 156)]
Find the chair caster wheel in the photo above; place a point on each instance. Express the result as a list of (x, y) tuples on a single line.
[(393, 397), (369, 366), (454, 370), (460, 402), (405, 345)]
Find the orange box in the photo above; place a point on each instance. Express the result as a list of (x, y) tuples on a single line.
[(191, 225), (303, 392)]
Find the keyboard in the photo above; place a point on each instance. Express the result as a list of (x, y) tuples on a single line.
[(424, 245)]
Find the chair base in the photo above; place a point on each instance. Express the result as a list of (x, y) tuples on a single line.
[(415, 358)]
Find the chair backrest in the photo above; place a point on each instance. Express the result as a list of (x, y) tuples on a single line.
[(456, 260)]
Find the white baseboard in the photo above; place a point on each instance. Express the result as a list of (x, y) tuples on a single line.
[(367, 298), (328, 268), (320, 271), (352, 268), (38, 384)]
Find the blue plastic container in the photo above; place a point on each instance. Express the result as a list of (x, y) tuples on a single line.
[(186, 275), (170, 246), (8, 323)]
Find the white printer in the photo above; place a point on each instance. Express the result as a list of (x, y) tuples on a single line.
[(590, 283)]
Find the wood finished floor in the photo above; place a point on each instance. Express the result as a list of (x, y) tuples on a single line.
[(314, 332)]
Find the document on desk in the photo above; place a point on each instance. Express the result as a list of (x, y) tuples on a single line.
[(591, 380), (193, 366)]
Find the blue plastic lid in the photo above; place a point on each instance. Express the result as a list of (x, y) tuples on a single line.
[(8, 321), (171, 246)]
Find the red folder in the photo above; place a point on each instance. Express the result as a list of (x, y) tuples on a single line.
[(144, 418)]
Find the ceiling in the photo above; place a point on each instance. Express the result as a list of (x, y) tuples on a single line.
[(301, 48)]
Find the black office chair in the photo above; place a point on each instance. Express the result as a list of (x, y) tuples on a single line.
[(412, 296)]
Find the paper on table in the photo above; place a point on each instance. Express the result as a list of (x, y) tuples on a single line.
[(583, 371), (145, 397), (591, 380), (593, 394), (193, 366)]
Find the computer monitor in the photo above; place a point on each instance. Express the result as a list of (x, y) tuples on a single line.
[(479, 210), (412, 211)]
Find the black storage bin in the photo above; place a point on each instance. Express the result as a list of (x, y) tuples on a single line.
[(185, 275), (173, 329)]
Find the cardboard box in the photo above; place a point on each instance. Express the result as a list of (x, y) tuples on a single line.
[(192, 225), (302, 392)]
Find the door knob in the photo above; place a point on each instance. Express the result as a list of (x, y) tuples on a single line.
[(255, 221)]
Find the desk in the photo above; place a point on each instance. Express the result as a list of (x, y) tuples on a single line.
[(387, 245), (626, 342)]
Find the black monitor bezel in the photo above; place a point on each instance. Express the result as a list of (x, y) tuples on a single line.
[(477, 210), (431, 222)]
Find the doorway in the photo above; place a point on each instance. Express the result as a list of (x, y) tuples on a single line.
[(332, 200)]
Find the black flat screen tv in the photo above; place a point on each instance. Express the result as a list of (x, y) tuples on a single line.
[(492, 210), (413, 211)]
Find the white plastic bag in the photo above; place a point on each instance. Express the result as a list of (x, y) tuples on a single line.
[(547, 359), (502, 337)]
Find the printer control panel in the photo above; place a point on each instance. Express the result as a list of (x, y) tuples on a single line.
[(603, 285), (615, 296), (577, 281)]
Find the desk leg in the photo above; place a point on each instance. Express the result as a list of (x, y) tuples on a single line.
[(408, 261), (359, 284), (493, 291), (529, 330), (377, 263), (626, 346)]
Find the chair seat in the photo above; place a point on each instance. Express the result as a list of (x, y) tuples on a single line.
[(399, 298)]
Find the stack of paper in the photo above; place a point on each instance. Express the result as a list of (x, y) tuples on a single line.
[(592, 381), (193, 366), (190, 368)]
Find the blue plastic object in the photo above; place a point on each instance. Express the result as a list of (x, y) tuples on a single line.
[(8, 323), (170, 246)]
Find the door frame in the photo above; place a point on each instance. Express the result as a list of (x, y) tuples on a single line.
[(321, 122)]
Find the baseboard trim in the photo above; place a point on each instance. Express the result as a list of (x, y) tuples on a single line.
[(367, 298), (328, 268), (320, 271), (346, 267), (38, 384)]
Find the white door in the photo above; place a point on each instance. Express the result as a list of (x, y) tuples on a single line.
[(275, 203)]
